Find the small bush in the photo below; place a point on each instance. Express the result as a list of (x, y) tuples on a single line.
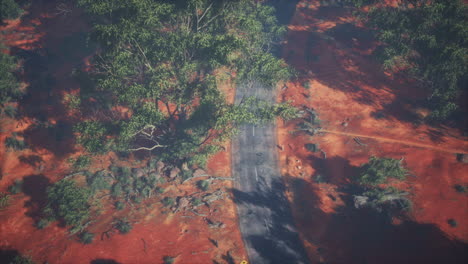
[(186, 174), (81, 162), (159, 190), (203, 185), (307, 85), (43, 223), (168, 260), (19, 259), (460, 188), (10, 111), (119, 205), (73, 101), (14, 143), (311, 147), (320, 179), (196, 202), (16, 187), (116, 190), (86, 238), (168, 201), (4, 200), (137, 199), (9, 9), (452, 223), (377, 170), (123, 226)]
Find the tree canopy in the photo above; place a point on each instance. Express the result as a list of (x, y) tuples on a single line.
[(427, 39), (160, 60), (378, 170), (9, 9)]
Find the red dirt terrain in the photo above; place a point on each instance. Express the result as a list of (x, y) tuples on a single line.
[(38, 39), (365, 112)]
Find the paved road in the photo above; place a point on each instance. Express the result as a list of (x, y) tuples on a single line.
[(265, 216)]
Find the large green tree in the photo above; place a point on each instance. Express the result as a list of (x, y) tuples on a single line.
[(159, 59), (428, 39)]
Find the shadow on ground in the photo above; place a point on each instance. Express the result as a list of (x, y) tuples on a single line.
[(362, 236)]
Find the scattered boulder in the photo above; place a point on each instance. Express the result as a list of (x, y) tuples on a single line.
[(138, 172), (174, 172), (199, 173)]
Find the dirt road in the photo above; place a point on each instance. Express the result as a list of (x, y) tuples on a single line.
[(265, 216)]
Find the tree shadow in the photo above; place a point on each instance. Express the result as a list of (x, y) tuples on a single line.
[(35, 186), (57, 138), (32, 160), (282, 243), (332, 169), (351, 235), (8, 255)]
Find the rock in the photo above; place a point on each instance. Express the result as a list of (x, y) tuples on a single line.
[(159, 166), (138, 173), (463, 158), (183, 203), (199, 172), (174, 172), (281, 147), (345, 124), (360, 201), (216, 224)]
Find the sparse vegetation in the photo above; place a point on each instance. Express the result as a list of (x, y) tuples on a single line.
[(16, 187), (203, 185), (68, 202), (119, 205), (86, 238), (13, 143), (378, 170), (168, 201), (4, 200), (81, 162), (123, 225)]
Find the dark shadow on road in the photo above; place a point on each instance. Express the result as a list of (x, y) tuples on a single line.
[(273, 247)]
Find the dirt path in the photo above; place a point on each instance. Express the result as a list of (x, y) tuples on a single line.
[(403, 142)]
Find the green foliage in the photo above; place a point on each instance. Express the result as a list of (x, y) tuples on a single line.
[(196, 202), (16, 187), (10, 111), (119, 205), (81, 162), (460, 188), (379, 197), (168, 260), (69, 202), (4, 200), (377, 170), (14, 143), (19, 259), (9, 9), (99, 181), (123, 226), (116, 190), (158, 59), (429, 41), (86, 238), (91, 136), (73, 101), (9, 85), (203, 185), (452, 222), (168, 201), (360, 3), (311, 147), (43, 223)]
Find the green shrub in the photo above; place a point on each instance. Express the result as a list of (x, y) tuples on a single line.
[(86, 238), (10, 111), (123, 226), (99, 181), (452, 223), (81, 162), (19, 259), (460, 188), (168, 201), (203, 185), (159, 190), (196, 202), (377, 170), (69, 202), (9, 9), (116, 190), (311, 147), (43, 223), (16, 187), (168, 260), (14, 143), (4, 200), (119, 205)]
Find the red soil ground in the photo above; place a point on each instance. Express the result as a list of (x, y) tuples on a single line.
[(156, 232), (356, 101)]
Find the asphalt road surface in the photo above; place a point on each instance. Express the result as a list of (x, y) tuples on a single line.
[(265, 216)]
